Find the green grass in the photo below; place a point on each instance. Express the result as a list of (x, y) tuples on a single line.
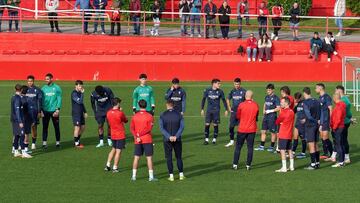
[(69, 175)]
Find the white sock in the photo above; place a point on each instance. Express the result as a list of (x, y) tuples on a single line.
[(26, 149), (101, 141), (283, 163), (151, 174), (171, 175), (44, 143), (115, 167), (207, 139), (57, 142), (214, 140), (76, 143), (231, 141), (347, 156), (108, 164), (291, 163), (181, 174), (333, 156), (134, 173)]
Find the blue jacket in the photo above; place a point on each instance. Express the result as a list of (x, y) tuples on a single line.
[(178, 96), (96, 4), (17, 109), (171, 123), (84, 4), (317, 41), (195, 7), (210, 8)]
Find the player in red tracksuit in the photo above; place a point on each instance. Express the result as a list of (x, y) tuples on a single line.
[(141, 126), (286, 122), (247, 114), (116, 119), (337, 124)]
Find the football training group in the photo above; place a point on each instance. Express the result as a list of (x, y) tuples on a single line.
[(286, 119)]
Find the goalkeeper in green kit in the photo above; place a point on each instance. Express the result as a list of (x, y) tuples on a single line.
[(144, 92)]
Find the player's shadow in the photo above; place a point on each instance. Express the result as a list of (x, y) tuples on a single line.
[(203, 169), (264, 164)]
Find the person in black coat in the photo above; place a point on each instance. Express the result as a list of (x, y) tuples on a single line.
[(224, 19)]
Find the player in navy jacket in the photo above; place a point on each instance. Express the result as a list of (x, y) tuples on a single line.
[(101, 102), (312, 110), (237, 96), (178, 95), (78, 112), (34, 97), (214, 95)]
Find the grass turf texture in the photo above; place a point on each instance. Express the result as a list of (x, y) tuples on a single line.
[(68, 174)]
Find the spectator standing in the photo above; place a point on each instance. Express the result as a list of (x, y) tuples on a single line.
[(157, 9), (84, 4), (210, 9), (184, 7), (13, 14), (224, 19), (100, 6), (264, 45), (277, 12), (329, 45), (241, 6), (2, 3), (262, 18), (247, 18), (195, 9), (251, 46), (315, 46), (339, 11), (52, 5), (135, 6), (116, 17), (295, 21)]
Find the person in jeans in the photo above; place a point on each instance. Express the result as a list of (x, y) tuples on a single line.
[(294, 21), (2, 3), (315, 46), (195, 7), (13, 14), (135, 5), (339, 11), (84, 4), (251, 46), (157, 9), (184, 7), (264, 45), (224, 19), (277, 11), (52, 5), (329, 45), (262, 19), (247, 18), (241, 9), (116, 17), (210, 9), (99, 5)]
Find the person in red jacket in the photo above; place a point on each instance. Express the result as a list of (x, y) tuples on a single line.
[(247, 114), (251, 46), (141, 126), (116, 119), (337, 124), (262, 18), (277, 12), (285, 135)]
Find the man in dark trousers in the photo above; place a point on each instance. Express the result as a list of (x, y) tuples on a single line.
[(178, 95), (247, 114), (210, 9), (171, 126)]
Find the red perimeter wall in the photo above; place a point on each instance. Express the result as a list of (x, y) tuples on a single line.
[(71, 57)]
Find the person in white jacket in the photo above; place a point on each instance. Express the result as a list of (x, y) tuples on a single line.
[(339, 11), (264, 45), (52, 5)]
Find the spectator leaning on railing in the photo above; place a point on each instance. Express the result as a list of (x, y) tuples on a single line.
[(295, 20), (13, 14), (115, 17), (241, 10), (246, 4), (329, 45), (52, 5), (315, 46), (210, 9), (224, 19), (135, 5), (277, 11), (264, 45), (84, 4), (157, 9), (195, 7), (339, 11), (2, 3), (262, 19), (184, 7), (251, 46), (100, 6)]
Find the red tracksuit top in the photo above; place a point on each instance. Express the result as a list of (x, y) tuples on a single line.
[(141, 126), (252, 43), (116, 119), (247, 114), (338, 116), (277, 10), (286, 122)]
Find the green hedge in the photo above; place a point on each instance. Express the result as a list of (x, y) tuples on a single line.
[(305, 5), (354, 6)]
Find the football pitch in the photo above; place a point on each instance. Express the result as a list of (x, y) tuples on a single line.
[(73, 175)]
